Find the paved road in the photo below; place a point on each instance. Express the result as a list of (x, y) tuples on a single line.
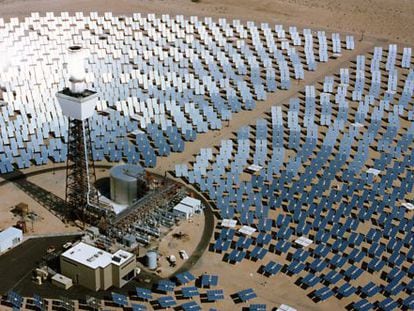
[(17, 265)]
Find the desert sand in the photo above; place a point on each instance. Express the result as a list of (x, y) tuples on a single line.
[(390, 20)]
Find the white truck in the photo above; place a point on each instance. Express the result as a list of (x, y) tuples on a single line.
[(183, 254)]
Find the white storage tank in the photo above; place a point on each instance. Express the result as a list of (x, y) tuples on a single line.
[(152, 259), (124, 183)]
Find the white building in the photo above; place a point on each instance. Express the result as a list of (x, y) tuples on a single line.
[(187, 207), (195, 204), (9, 238), (97, 269), (183, 211), (62, 281)]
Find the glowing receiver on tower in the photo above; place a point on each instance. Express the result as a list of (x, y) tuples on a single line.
[(76, 101), (76, 69)]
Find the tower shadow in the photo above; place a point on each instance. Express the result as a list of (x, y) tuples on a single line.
[(47, 199)]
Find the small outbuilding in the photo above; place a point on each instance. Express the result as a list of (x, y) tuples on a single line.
[(183, 211), (92, 231), (187, 207), (195, 204), (62, 281), (9, 238), (129, 240)]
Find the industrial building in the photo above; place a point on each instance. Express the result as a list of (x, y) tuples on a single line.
[(9, 238), (183, 211), (187, 207), (96, 269)]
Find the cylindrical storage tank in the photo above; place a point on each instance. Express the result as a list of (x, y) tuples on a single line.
[(124, 183), (152, 259)]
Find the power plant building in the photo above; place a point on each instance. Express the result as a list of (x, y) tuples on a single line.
[(183, 211), (97, 269), (187, 207)]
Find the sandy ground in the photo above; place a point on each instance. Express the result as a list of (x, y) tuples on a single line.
[(387, 19), (10, 196), (192, 230), (46, 222)]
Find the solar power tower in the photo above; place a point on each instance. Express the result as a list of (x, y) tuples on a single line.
[(78, 105)]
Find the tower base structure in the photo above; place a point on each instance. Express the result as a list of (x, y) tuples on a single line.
[(82, 198)]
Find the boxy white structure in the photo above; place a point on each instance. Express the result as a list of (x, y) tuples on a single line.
[(195, 204), (9, 238), (96, 269), (183, 211), (187, 207)]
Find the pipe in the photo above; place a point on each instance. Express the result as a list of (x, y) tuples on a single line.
[(87, 167)]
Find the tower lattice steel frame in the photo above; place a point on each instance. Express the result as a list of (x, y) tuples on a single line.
[(80, 170)]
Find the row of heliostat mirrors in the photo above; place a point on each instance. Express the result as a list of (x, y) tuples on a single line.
[(334, 168), (161, 80)]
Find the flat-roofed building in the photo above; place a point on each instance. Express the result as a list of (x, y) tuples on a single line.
[(183, 211), (187, 207), (96, 269), (123, 267), (195, 204), (10, 238)]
